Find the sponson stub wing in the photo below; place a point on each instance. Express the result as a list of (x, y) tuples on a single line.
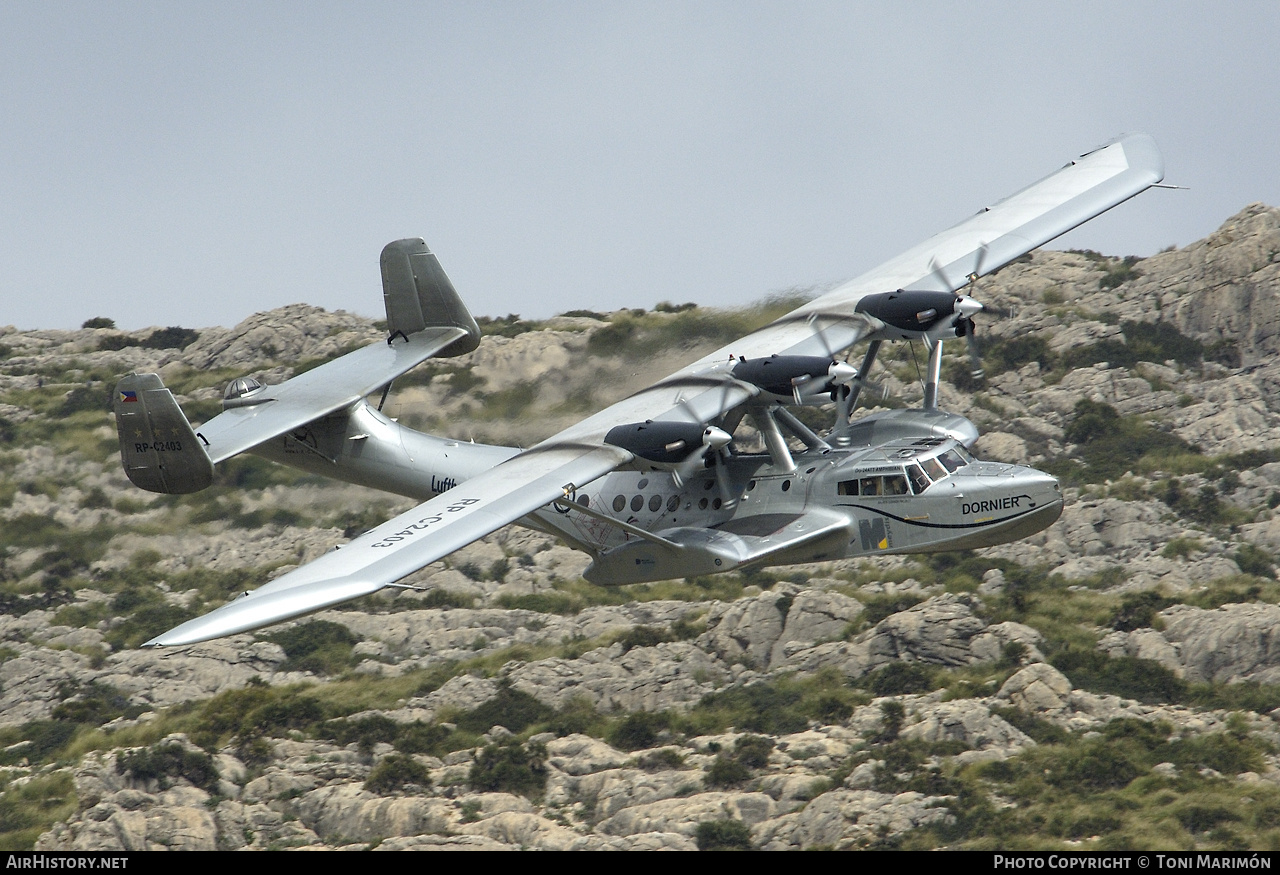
[(762, 539)]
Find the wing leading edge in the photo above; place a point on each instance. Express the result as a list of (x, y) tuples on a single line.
[(411, 541)]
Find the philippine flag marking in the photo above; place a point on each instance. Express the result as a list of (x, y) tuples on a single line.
[(128, 397)]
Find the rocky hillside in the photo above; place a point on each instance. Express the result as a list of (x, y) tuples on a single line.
[(1110, 683)]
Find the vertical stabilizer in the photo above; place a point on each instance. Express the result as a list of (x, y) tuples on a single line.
[(158, 448), (418, 295)]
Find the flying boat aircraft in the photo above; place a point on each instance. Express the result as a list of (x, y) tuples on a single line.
[(655, 486)]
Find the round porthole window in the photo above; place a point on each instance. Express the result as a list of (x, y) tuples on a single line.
[(619, 504)]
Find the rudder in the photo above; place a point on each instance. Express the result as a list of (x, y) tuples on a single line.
[(418, 294)]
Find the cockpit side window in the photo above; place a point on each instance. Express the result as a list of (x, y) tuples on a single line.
[(919, 482), (895, 484), (951, 459)]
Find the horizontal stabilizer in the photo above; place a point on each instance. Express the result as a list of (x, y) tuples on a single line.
[(418, 295), (159, 450), (319, 392)]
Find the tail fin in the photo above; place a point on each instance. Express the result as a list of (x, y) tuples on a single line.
[(159, 450), (418, 295)]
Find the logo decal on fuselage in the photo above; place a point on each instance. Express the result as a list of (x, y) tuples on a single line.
[(987, 505), (875, 534)]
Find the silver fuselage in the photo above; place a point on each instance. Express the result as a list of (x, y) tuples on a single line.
[(904, 493)]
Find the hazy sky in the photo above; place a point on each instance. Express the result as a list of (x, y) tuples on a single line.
[(173, 163)]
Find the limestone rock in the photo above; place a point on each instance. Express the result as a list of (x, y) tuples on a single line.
[(1037, 689)]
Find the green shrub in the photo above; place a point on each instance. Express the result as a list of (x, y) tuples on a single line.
[(94, 704), (37, 741), (1138, 610), (510, 767), (172, 337), (167, 761), (1256, 561), (1182, 548), (661, 760), (877, 608), (726, 771), (639, 730), (642, 636), (1127, 676), (753, 751), (398, 773), (98, 322), (365, 732), (443, 598), (1110, 444), (900, 678), (723, 835), (317, 646), (419, 737), (512, 709), (564, 604), (892, 715)]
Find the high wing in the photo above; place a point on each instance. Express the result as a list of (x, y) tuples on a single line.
[(1084, 188), (280, 409), (863, 308)]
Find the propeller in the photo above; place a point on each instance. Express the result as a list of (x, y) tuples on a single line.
[(967, 307), (965, 327), (714, 440)]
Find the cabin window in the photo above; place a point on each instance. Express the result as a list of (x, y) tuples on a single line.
[(895, 484), (619, 504), (847, 487), (672, 503), (919, 482), (637, 502), (869, 486), (655, 503)]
